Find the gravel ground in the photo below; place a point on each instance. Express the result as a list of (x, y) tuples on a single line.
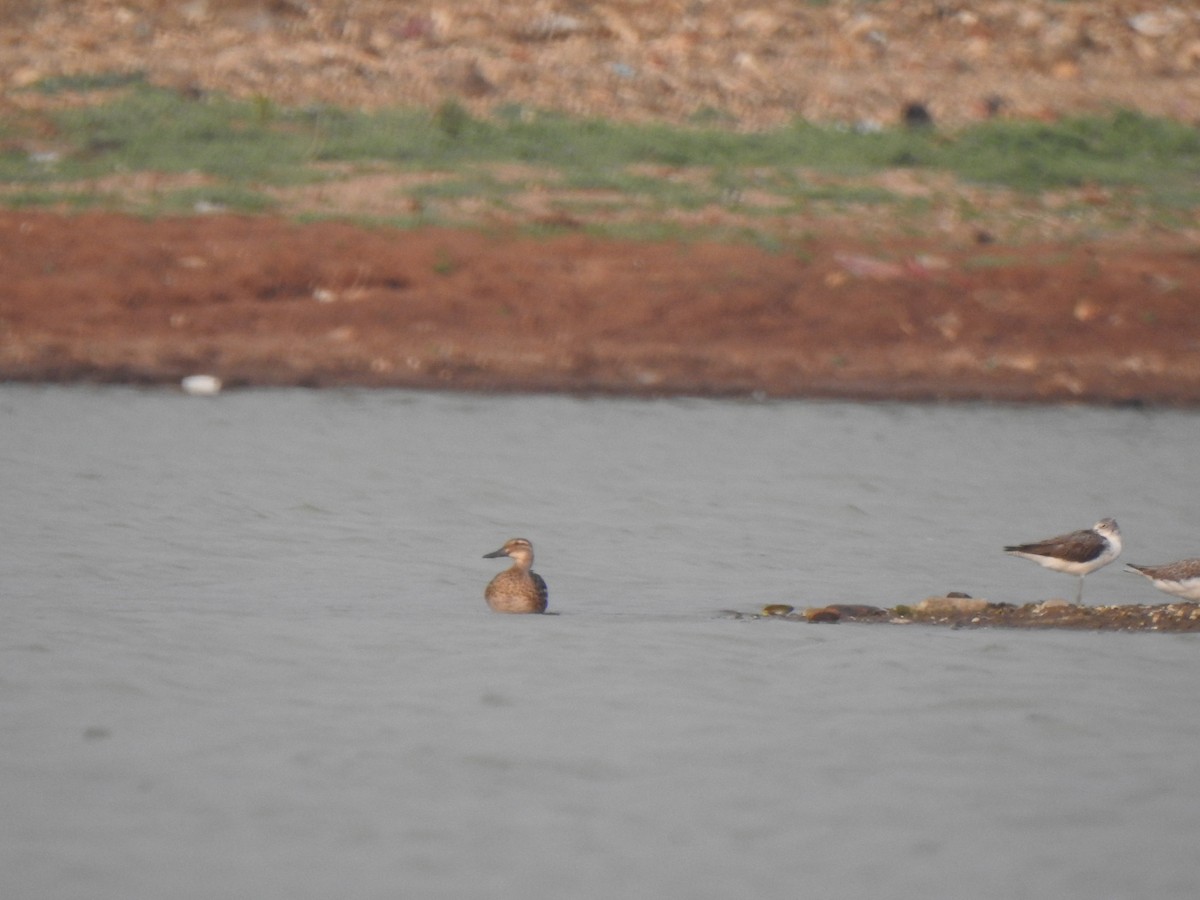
[(751, 63)]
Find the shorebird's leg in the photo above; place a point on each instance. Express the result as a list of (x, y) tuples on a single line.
[(1079, 593)]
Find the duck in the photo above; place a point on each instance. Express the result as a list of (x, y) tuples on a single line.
[(518, 589)]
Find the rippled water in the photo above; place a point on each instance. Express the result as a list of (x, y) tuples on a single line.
[(244, 651)]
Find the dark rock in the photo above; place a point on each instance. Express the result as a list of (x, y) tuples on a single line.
[(917, 115), (823, 614)]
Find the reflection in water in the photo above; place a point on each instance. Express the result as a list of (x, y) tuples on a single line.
[(246, 652)]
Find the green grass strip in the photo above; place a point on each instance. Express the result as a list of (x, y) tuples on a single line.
[(143, 128)]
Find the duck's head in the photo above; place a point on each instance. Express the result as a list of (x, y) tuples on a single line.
[(517, 548)]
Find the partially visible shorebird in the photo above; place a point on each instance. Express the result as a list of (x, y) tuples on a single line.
[(1077, 553), (517, 589), (1179, 578)]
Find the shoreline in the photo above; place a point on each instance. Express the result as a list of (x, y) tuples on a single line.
[(71, 375)]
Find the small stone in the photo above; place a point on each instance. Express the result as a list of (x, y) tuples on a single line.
[(951, 605), (777, 609), (1157, 24), (1065, 70), (949, 324), (992, 105), (823, 614), (201, 385), (551, 28), (472, 82), (916, 115), (1055, 603)]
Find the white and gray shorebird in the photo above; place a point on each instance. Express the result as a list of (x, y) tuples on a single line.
[(1077, 553), (1179, 578)]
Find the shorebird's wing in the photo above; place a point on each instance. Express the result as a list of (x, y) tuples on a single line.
[(1077, 547), (1176, 571)]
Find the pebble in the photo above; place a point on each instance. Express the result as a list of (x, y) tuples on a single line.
[(551, 28), (1055, 603), (1159, 23), (201, 385), (944, 605), (822, 614)]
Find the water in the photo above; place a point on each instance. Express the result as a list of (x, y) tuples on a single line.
[(244, 652)]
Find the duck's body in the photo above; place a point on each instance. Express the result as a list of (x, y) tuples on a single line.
[(518, 589), (1077, 553), (1179, 578)]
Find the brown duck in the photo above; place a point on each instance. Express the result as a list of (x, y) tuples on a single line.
[(517, 589)]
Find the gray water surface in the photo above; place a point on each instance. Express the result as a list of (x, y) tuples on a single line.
[(244, 651)]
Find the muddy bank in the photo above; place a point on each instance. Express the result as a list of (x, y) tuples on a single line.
[(263, 301), (968, 613)]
